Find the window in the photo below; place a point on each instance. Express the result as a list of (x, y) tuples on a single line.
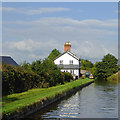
[(61, 61), (71, 61)]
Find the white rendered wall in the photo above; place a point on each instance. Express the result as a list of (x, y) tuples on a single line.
[(66, 60)]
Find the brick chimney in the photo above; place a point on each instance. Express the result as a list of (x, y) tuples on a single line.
[(67, 46)]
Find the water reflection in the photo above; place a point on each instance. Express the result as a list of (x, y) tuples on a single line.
[(98, 100)]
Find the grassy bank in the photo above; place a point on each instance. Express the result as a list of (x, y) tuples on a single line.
[(16, 102), (115, 77)]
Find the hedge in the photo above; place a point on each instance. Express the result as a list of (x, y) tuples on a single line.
[(17, 79)]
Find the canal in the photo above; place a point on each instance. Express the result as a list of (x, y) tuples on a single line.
[(98, 100)]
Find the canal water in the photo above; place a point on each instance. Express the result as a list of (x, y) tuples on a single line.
[(98, 100)]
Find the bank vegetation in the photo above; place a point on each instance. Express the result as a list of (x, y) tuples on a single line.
[(115, 77), (18, 102)]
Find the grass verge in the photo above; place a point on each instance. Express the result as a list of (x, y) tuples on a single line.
[(16, 102), (115, 77)]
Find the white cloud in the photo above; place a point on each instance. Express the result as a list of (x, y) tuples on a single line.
[(46, 10), (36, 39), (55, 28), (113, 23), (29, 50), (34, 11), (21, 45), (8, 9), (89, 49), (27, 45), (106, 51)]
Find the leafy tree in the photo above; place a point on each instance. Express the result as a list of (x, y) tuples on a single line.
[(48, 70), (108, 66), (86, 64), (53, 54), (26, 65)]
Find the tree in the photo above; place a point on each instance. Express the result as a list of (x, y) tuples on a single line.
[(86, 64), (48, 70), (108, 66), (53, 54), (26, 65)]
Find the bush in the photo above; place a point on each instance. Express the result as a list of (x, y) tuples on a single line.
[(49, 71), (67, 76), (16, 79), (108, 66), (114, 77), (27, 76)]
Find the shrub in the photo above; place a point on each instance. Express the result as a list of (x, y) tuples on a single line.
[(27, 76), (67, 76), (114, 77), (16, 79), (108, 66)]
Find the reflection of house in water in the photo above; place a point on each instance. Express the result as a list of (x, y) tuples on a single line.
[(68, 62), (8, 60)]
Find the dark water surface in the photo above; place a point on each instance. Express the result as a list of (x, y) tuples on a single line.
[(98, 100)]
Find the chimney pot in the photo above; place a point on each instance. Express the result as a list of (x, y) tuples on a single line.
[(67, 46)]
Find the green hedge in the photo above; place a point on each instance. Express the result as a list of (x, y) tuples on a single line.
[(16, 79), (67, 76)]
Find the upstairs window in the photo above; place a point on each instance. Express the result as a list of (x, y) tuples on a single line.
[(61, 61), (71, 61)]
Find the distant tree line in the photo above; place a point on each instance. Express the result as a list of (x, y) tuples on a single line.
[(101, 70)]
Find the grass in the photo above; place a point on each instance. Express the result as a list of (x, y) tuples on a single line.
[(115, 77), (15, 102)]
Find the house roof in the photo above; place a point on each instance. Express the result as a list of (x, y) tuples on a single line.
[(8, 60), (71, 54)]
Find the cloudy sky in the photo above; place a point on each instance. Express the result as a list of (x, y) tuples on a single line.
[(31, 31)]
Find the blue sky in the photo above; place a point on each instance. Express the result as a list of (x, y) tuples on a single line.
[(80, 11), (32, 30)]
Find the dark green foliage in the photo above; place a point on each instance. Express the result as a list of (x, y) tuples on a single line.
[(53, 54), (67, 76), (108, 66), (86, 65), (50, 72), (41, 73), (26, 66), (38, 74), (16, 79)]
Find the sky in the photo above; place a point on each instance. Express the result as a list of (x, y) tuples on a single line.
[(31, 30)]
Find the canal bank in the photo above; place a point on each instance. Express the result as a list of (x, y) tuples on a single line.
[(58, 92), (96, 101)]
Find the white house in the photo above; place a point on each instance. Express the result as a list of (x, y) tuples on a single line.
[(68, 62)]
